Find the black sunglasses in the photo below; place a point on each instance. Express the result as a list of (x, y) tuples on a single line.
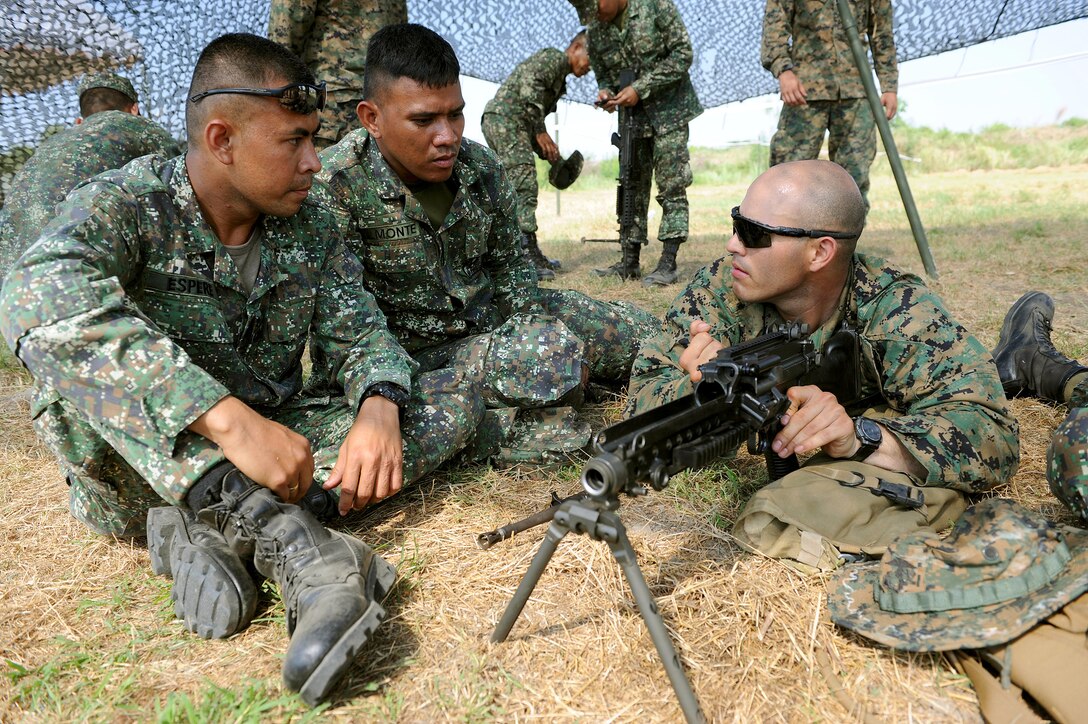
[(755, 235), (298, 97)]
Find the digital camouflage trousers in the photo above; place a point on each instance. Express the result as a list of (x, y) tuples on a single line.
[(107, 468), (851, 136), (513, 142), (1067, 458), (532, 370), (663, 156)]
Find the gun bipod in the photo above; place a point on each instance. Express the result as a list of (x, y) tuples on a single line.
[(598, 519)]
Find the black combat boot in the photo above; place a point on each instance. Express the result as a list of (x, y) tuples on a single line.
[(213, 592), (665, 273), (627, 267), (330, 583), (1026, 358), (533, 253)]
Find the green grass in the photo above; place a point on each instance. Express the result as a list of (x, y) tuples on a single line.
[(249, 702), (924, 150)]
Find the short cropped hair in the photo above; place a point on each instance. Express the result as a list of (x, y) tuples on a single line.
[(240, 60), (580, 37), (97, 100), (410, 51)]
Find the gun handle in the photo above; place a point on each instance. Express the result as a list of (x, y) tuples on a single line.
[(778, 467)]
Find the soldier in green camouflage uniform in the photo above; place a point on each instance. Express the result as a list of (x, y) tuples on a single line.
[(164, 314), (819, 81), (513, 124), (156, 323), (941, 416), (108, 136), (1029, 363), (331, 36), (435, 222), (649, 38)]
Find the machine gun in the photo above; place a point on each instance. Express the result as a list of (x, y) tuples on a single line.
[(741, 397), (627, 181)]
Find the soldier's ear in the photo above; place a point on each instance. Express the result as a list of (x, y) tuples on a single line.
[(369, 118), (822, 252), (218, 139)]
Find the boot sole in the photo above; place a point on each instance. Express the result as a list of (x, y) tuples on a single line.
[(215, 598), (213, 595), (161, 524), (339, 658)]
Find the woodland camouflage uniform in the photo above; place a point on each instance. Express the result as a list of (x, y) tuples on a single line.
[(820, 56), (1067, 458), (514, 117), (133, 320), (650, 38), (331, 38), (463, 295), (938, 388), (104, 141)]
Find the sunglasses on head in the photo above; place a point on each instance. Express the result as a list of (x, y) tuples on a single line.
[(298, 97), (755, 235)]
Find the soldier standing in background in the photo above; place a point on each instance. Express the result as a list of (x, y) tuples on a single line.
[(513, 124), (109, 133), (819, 82), (331, 36), (649, 38)]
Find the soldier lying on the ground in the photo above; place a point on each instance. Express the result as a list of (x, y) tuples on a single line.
[(937, 418)]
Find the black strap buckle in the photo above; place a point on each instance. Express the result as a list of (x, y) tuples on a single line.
[(900, 494)]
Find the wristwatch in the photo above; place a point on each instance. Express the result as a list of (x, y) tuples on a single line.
[(390, 391), (787, 66), (869, 435)]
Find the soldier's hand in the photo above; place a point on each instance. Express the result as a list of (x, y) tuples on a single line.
[(547, 146), (890, 101), (701, 349), (265, 451), (627, 97), (792, 90), (369, 466), (605, 100), (815, 420)]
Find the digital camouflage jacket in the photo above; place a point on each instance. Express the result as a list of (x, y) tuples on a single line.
[(130, 309), (941, 389), (533, 89), (104, 141), (820, 53), (655, 45), (434, 285), (331, 36)]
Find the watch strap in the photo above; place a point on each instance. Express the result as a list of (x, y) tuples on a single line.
[(390, 391)]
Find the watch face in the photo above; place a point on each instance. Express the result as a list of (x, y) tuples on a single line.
[(868, 431)]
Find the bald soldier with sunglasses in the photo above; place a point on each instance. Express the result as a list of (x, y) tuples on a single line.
[(936, 414), (164, 314)]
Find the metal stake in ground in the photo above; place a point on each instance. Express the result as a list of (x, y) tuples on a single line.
[(598, 520)]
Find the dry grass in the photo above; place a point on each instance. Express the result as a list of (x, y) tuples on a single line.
[(89, 632)]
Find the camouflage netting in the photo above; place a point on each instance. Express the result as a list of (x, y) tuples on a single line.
[(46, 46)]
